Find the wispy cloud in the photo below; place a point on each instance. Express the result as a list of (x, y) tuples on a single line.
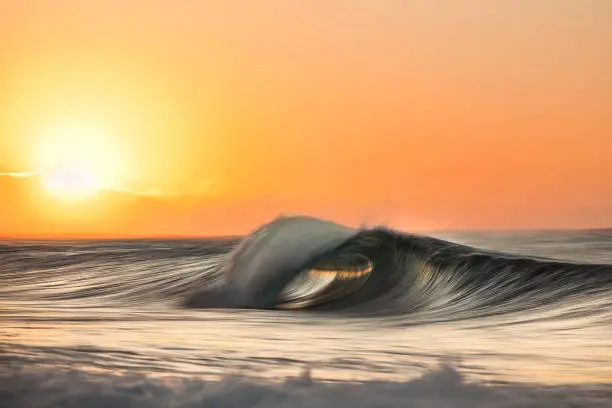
[(209, 187), (204, 188), (153, 192), (18, 174)]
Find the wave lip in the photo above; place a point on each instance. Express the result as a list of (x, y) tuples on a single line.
[(268, 259)]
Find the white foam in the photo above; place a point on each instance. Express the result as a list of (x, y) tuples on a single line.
[(440, 388)]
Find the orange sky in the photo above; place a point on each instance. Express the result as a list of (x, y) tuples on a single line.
[(209, 117)]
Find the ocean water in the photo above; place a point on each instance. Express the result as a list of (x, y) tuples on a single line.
[(523, 320)]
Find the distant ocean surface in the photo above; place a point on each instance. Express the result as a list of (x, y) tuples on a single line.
[(104, 323)]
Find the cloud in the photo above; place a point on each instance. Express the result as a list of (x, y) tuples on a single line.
[(153, 192), (205, 208), (28, 210), (18, 174), (202, 190), (207, 187)]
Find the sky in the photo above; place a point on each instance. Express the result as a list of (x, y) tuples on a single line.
[(199, 118)]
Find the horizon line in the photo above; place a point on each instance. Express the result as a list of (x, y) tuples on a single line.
[(112, 236)]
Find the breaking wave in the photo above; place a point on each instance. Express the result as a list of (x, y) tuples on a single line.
[(306, 263)]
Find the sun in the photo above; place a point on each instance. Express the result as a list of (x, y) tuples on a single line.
[(76, 159), (72, 182)]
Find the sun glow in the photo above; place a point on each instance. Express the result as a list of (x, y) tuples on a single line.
[(76, 160)]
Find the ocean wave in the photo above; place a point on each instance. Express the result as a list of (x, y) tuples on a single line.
[(306, 263)]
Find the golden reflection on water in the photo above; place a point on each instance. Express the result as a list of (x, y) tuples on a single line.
[(342, 274)]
